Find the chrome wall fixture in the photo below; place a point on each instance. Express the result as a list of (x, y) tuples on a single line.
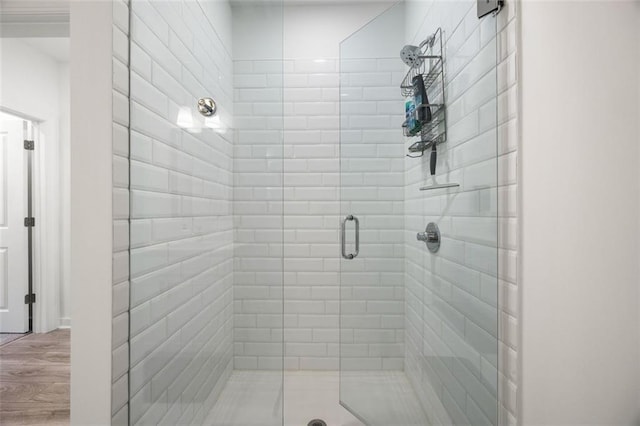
[(431, 237), (207, 107)]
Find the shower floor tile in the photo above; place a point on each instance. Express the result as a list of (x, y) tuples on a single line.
[(314, 395), (255, 398), (249, 398)]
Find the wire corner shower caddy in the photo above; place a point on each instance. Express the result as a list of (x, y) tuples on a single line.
[(428, 61)]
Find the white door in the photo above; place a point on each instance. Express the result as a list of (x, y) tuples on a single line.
[(13, 233)]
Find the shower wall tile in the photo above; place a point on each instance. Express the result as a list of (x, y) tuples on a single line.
[(179, 294), (309, 167), (120, 361), (459, 324), (309, 198)]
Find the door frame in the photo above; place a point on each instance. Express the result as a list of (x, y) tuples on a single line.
[(18, 315), (29, 126)]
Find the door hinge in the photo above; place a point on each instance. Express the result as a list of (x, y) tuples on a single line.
[(29, 145), (29, 298), (29, 221)]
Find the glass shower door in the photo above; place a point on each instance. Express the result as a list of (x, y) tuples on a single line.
[(372, 384), (418, 328)]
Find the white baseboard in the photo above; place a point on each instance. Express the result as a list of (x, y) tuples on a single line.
[(65, 323)]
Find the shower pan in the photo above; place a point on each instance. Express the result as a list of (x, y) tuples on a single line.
[(213, 264)]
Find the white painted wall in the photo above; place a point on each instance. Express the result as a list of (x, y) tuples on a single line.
[(580, 198), (29, 80), (91, 211), (34, 84)]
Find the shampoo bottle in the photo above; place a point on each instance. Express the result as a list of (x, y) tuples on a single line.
[(412, 123)]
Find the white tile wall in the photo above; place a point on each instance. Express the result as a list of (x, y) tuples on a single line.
[(508, 145), (120, 344), (459, 302), (181, 255), (372, 173), (188, 204), (311, 167)]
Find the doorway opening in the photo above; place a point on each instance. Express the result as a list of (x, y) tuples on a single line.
[(34, 109), (35, 296), (16, 227)]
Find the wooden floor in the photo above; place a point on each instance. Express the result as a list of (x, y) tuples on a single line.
[(34, 380), (10, 337)]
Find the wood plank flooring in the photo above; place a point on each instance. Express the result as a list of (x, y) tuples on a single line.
[(34, 380), (10, 337)]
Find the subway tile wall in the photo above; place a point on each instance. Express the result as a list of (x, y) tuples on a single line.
[(258, 215), (310, 203), (508, 145), (307, 165), (181, 236), (120, 137), (373, 180), (461, 303)]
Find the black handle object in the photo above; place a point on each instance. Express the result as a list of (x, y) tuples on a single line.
[(427, 110), (421, 99), (434, 158)]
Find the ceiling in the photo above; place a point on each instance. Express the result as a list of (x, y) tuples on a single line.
[(34, 18), (51, 8)]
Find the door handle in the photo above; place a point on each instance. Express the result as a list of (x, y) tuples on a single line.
[(343, 239)]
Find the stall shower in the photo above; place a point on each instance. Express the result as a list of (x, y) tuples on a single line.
[(306, 227)]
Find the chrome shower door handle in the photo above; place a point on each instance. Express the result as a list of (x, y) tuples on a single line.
[(343, 238), (357, 236)]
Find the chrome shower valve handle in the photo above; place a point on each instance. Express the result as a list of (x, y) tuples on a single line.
[(428, 237), (207, 107), (431, 237)]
